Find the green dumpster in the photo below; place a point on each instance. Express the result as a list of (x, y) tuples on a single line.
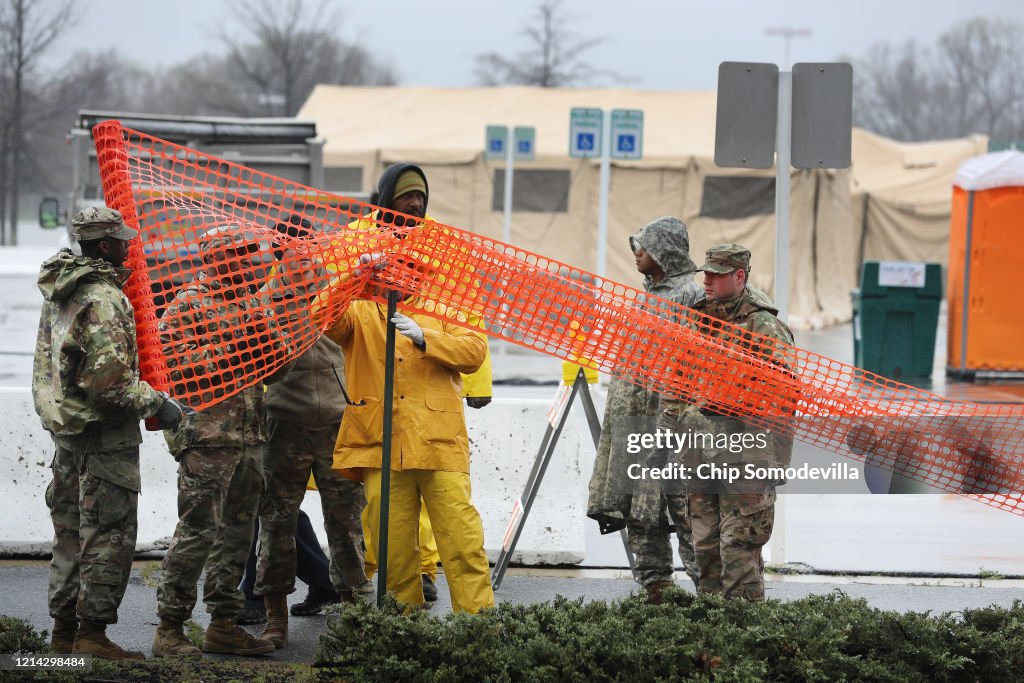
[(895, 318)]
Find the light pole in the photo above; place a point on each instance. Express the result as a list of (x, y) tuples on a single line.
[(788, 33)]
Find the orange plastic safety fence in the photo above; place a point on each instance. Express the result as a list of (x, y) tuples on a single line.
[(237, 271)]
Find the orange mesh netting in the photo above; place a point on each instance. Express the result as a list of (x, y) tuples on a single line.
[(237, 271)]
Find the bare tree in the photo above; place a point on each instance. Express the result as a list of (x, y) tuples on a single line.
[(555, 57), (983, 60), (972, 82), (27, 29), (88, 80), (286, 49), (896, 92)]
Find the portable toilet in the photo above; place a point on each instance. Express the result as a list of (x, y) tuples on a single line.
[(986, 263)]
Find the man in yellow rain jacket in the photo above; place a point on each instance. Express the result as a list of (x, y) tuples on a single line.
[(403, 188)]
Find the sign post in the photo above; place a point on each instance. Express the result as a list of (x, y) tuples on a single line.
[(498, 147), (604, 181), (782, 191), (594, 133), (805, 116), (520, 148)]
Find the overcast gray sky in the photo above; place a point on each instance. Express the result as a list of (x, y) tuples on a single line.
[(663, 44)]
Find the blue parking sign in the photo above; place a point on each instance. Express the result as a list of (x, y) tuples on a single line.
[(524, 137), (495, 142), (585, 131), (627, 134)]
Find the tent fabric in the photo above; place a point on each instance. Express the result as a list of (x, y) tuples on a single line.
[(893, 204), (989, 171), (902, 195)]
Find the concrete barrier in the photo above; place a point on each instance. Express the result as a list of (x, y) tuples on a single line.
[(504, 439)]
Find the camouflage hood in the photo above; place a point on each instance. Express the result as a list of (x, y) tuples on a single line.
[(60, 275), (668, 242)]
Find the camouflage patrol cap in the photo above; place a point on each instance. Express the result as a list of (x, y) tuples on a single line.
[(725, 258), (97, 222), (233, 236)]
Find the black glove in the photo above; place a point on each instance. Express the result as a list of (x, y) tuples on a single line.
[(477, 401), (169, 414)]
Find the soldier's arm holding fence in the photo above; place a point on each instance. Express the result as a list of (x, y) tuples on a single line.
[(108, 373)]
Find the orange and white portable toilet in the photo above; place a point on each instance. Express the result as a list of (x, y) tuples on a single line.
[(986, 262)]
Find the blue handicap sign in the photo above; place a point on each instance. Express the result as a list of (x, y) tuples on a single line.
[(627, 143), (524, 147), (585, 141), (496, 145)]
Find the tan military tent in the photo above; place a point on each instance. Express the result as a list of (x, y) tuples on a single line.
[(904, 188)]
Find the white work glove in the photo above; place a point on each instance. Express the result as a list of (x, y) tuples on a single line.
[(407, 326), (365, 260)]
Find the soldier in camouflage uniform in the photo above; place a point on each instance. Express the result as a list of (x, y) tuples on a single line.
[(731, 524), (662, 252), (305, 410), (220, 450), (87, 392)]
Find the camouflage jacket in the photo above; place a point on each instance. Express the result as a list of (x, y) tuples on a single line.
[(310, 394), (85, 376), (203, 325), (630, 408), (753, 312)]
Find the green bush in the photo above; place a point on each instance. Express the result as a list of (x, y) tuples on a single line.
[(699, 638), (17, 635)]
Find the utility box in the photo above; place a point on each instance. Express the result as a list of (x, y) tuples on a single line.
[(895, 318)]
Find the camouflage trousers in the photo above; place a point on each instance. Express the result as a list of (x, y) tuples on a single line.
[(652, 548), (292, 453), (95, 522), (218, 496), (729, 531)]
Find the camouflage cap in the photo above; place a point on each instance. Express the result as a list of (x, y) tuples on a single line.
[(97, 222), (233, 236), (725, 258)]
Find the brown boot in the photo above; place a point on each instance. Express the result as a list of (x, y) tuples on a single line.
[(62, 640), (225, 637), (655, 590), (170, 641), (276, 630), (91, 639)]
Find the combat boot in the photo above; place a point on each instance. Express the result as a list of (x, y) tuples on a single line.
[(91, 639), (170, 641), (314, 602), (62, 640), (655, 590), (276, 630), (225, 637)]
